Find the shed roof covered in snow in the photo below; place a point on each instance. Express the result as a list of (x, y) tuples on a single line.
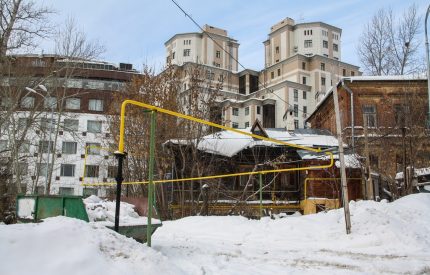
[(227, 143)]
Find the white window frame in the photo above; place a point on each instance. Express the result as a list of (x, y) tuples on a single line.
[(64, 173), (94, 126), (95, 105), (73, 103), (69, 147)]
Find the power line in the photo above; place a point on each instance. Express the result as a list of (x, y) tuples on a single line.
[(231, 56)]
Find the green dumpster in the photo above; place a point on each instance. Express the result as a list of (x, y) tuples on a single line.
[(34, 208)]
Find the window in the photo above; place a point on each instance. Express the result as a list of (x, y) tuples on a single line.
[(324, 33), (344, 72), (323, 81), (235, 111), (24, 147), (218, 54), (303, 65), (277, 49), (247, 124), (45, 146), (258, 110), (369, 115), (42, 169), (6, 102), (23, 123), (235, 125), (305, 109), (173, 55), (296, 95), (67, 170), (272, 75), (322, 66), (66, 191), (3, 145), (210, 75), (22, 169), (400, 114), (69, 147), (304, 80), (279, 72), (73, 103), (95, 105), (325, 44), (373, 160), (71, 125), (94, 126), (92, 148), (246, 111), (50, 102), (187, 52), (308, 43), (112, 170), (335, 47), (296, 124), (47, 124), (91, 171), (27, 102), (296, 110), (304, 94), (352, 73)]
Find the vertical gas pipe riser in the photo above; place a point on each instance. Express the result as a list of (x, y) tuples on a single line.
[(119, 178), (261, 194), (151, 176)]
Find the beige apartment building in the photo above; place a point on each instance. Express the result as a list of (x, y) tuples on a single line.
[(302, 61)]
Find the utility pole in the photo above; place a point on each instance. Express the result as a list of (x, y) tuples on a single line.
[(428, 67), (342, 163), (369, 181)]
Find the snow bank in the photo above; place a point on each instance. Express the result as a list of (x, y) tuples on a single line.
[(103, 211), (66, 246), (386, 238)]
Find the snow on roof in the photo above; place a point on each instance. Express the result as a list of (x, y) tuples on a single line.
[(227, 143), (351, 160), (418, 172), (385, 77)]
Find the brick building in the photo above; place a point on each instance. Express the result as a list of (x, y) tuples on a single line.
[(395, 108)]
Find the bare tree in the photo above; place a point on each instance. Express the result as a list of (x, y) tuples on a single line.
[(20, 23), (389, 46), (73, 42)]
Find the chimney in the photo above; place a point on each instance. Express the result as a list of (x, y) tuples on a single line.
[(289, 119)]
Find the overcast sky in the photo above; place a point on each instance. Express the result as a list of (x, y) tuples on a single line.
[(134, 31)]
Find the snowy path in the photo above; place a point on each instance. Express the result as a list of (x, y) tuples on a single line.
[(386, 239)]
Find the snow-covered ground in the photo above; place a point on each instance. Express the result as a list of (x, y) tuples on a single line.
[(390, 238)]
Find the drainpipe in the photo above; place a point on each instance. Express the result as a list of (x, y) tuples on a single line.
[(352, 115)]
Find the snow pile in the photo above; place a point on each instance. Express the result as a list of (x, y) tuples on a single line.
[(385, 238), (103, 211), (69, 246)]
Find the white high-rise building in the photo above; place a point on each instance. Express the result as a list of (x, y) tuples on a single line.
[(208, 48), (302, 61)]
